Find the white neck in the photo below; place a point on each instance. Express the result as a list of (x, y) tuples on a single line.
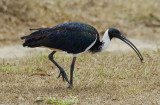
[(105, 40)]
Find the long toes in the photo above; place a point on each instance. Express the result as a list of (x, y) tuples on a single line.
[(65, 78), (59, 75)]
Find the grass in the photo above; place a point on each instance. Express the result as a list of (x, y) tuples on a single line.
[(99, 78), (102, 15), (53, 100), (106, 78)]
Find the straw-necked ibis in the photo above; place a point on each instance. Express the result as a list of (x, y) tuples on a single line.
[(74, 38)]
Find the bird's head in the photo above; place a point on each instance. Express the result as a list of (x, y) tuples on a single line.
[(115, 33)]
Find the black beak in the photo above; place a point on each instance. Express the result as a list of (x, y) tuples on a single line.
[(131, 45)]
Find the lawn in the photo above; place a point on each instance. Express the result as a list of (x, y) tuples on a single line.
[(105, 78), (113, 77)]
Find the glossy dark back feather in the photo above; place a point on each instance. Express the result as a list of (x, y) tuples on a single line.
[(72, 37), (36, 38)]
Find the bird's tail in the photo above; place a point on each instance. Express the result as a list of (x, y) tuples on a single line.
[(35, 39)]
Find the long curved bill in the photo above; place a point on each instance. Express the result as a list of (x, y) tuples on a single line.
[(124, 39)]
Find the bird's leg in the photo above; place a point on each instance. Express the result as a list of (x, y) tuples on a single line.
[(71, 72), (62, 72)]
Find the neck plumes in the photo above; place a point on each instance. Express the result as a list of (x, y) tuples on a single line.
[(101, 46), (105, 41)]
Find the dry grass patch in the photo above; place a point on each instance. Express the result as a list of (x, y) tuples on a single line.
[(20, 15), (98, 79), (117, 78)]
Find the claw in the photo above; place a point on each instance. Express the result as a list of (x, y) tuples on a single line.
[(64, 76), (70, 87), (59, 75)]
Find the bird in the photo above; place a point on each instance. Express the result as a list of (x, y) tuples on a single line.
[(74, 38)]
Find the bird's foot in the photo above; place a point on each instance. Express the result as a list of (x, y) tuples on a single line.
[(70, 87), (64, 76)]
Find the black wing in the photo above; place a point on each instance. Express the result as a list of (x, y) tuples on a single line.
[(36, 39), (70, 37)]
